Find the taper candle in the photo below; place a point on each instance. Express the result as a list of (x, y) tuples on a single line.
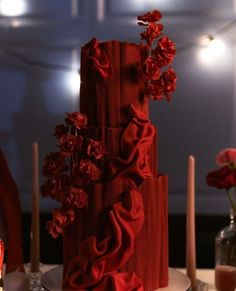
[(190, 222), (35, 246)]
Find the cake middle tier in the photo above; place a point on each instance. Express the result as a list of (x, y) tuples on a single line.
[(110, 80), (112, 139)]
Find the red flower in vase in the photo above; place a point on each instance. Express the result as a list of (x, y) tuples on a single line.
[(225, 176), (226, 157)]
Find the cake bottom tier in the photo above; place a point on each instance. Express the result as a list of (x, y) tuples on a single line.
[(149, 260)]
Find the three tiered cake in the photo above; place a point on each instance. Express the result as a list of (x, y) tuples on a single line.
[(114, 215)]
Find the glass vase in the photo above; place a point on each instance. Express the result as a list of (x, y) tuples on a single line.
[(225, 243)]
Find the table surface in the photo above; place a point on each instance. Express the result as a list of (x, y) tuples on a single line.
[(204, 275)]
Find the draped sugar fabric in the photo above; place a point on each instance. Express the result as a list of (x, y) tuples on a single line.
[(98, 59), (133, 165), (101, 250), (98, 260), (11, 215)]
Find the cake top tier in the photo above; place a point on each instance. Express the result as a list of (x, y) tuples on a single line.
[(110, 80), (115, 74)]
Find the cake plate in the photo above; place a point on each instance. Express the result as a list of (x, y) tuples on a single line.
[(52, 280)]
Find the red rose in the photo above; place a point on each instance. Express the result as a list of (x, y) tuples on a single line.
[(84, 172), (67, 144), (169, 79), (226, 157), (54, 229), (162, 88), (95, 148), (77, 197), (90, 169), (77, 119), (150, 69), (70, 144), (223, 178), (164, 52), (153, 31), (150, 17), (154, 89), (60, 130), (61, 218), (54, 164), (56, 188)]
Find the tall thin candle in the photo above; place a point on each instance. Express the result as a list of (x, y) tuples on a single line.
[(35, 246), (190, 222)]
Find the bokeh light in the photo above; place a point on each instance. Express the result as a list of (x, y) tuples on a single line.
[(12, 7)]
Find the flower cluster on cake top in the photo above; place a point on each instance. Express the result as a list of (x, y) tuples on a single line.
[(70, 169), (159, 83)]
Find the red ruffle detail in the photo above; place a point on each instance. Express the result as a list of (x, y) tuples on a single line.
[(98, 59), (116, 282), (96, 260), (120, 282), (133, 165)]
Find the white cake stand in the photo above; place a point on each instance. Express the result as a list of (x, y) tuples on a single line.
[(52, 280)]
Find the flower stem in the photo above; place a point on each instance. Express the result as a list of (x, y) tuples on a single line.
[(232, 202)]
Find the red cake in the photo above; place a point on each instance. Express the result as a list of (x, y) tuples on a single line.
[(116, 236)]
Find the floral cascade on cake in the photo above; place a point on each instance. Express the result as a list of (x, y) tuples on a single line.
[(113, 213), (70, 170)]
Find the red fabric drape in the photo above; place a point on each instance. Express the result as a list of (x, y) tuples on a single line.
[(98, 59), (99, 259), (133, 164), (11, 210)]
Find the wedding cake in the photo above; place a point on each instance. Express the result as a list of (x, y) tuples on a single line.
[(114, 204)]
